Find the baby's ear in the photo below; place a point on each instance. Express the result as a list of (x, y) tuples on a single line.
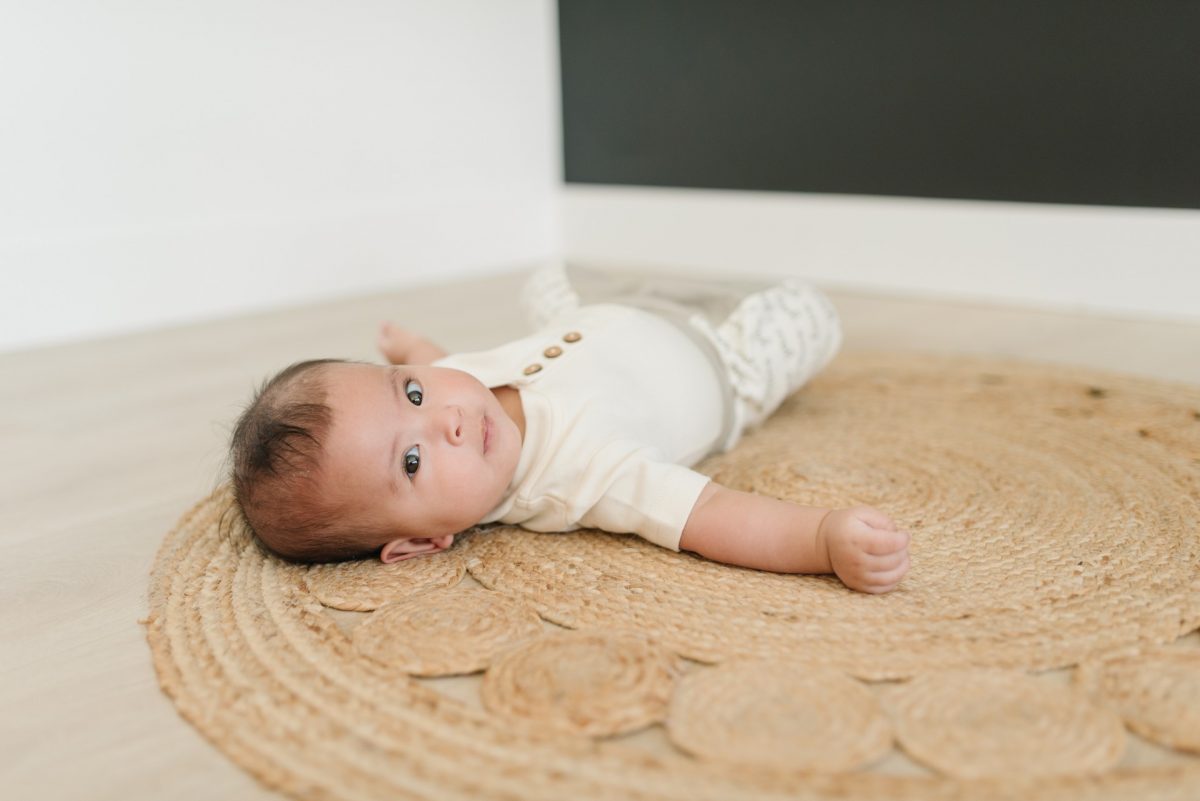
[(408, 547)]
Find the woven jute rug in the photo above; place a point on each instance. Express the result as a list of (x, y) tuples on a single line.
[(1040, 647)]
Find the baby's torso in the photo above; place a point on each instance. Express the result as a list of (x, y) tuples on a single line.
[(601, 388), (613, 372), (630, 375)]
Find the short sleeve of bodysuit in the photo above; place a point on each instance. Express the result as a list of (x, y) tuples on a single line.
[(647, 497)]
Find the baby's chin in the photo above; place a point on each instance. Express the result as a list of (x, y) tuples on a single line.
[(470, 521)]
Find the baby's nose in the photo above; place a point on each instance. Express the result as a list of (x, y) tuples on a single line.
[(452, 421)]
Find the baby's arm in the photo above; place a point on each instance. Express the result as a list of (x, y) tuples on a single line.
[(861, 545), (401, 346)]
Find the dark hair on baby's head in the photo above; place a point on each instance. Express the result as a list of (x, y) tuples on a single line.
[(276, 451)]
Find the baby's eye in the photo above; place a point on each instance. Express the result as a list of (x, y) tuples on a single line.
[(412, 460), (413, 390)]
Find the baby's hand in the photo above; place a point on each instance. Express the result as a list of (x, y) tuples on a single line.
[(865, 549), (396, 343)]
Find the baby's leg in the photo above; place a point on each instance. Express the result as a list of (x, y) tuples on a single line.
[(547, 294), (773, 343)]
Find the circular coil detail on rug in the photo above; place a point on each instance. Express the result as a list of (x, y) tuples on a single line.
[(768, 713), (583, 682), (1156, 691), (993, 724), (445, 632), (366, 584)]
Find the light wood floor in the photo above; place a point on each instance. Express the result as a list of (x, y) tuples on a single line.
[(107, 442)]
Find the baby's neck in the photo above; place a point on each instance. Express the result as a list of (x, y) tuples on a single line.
[(510, 401)]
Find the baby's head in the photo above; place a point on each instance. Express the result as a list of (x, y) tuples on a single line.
[(336, 460)]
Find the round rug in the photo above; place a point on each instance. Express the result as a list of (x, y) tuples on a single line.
[(1054, 516)]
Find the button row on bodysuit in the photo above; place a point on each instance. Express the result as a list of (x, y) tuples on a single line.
[(554, 351)]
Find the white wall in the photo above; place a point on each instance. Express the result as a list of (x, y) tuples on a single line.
[(1124, 261), (162, 162), (167, 162)]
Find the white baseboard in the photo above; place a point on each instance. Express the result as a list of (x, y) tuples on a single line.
[(1124, 261)]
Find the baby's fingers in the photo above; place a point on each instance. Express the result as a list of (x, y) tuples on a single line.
[(886, 581), (874, 518), (879, 564), (887, 542)]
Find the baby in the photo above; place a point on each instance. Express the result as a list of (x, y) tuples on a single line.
[(594, 421)]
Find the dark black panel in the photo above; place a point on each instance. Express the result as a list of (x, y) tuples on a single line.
[(1069, 101)]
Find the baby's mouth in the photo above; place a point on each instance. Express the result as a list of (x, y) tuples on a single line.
[(487, 432)]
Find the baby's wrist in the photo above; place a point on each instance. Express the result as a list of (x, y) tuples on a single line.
[(822, 542)]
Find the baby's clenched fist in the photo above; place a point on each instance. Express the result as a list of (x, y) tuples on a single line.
[(865, 549)]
